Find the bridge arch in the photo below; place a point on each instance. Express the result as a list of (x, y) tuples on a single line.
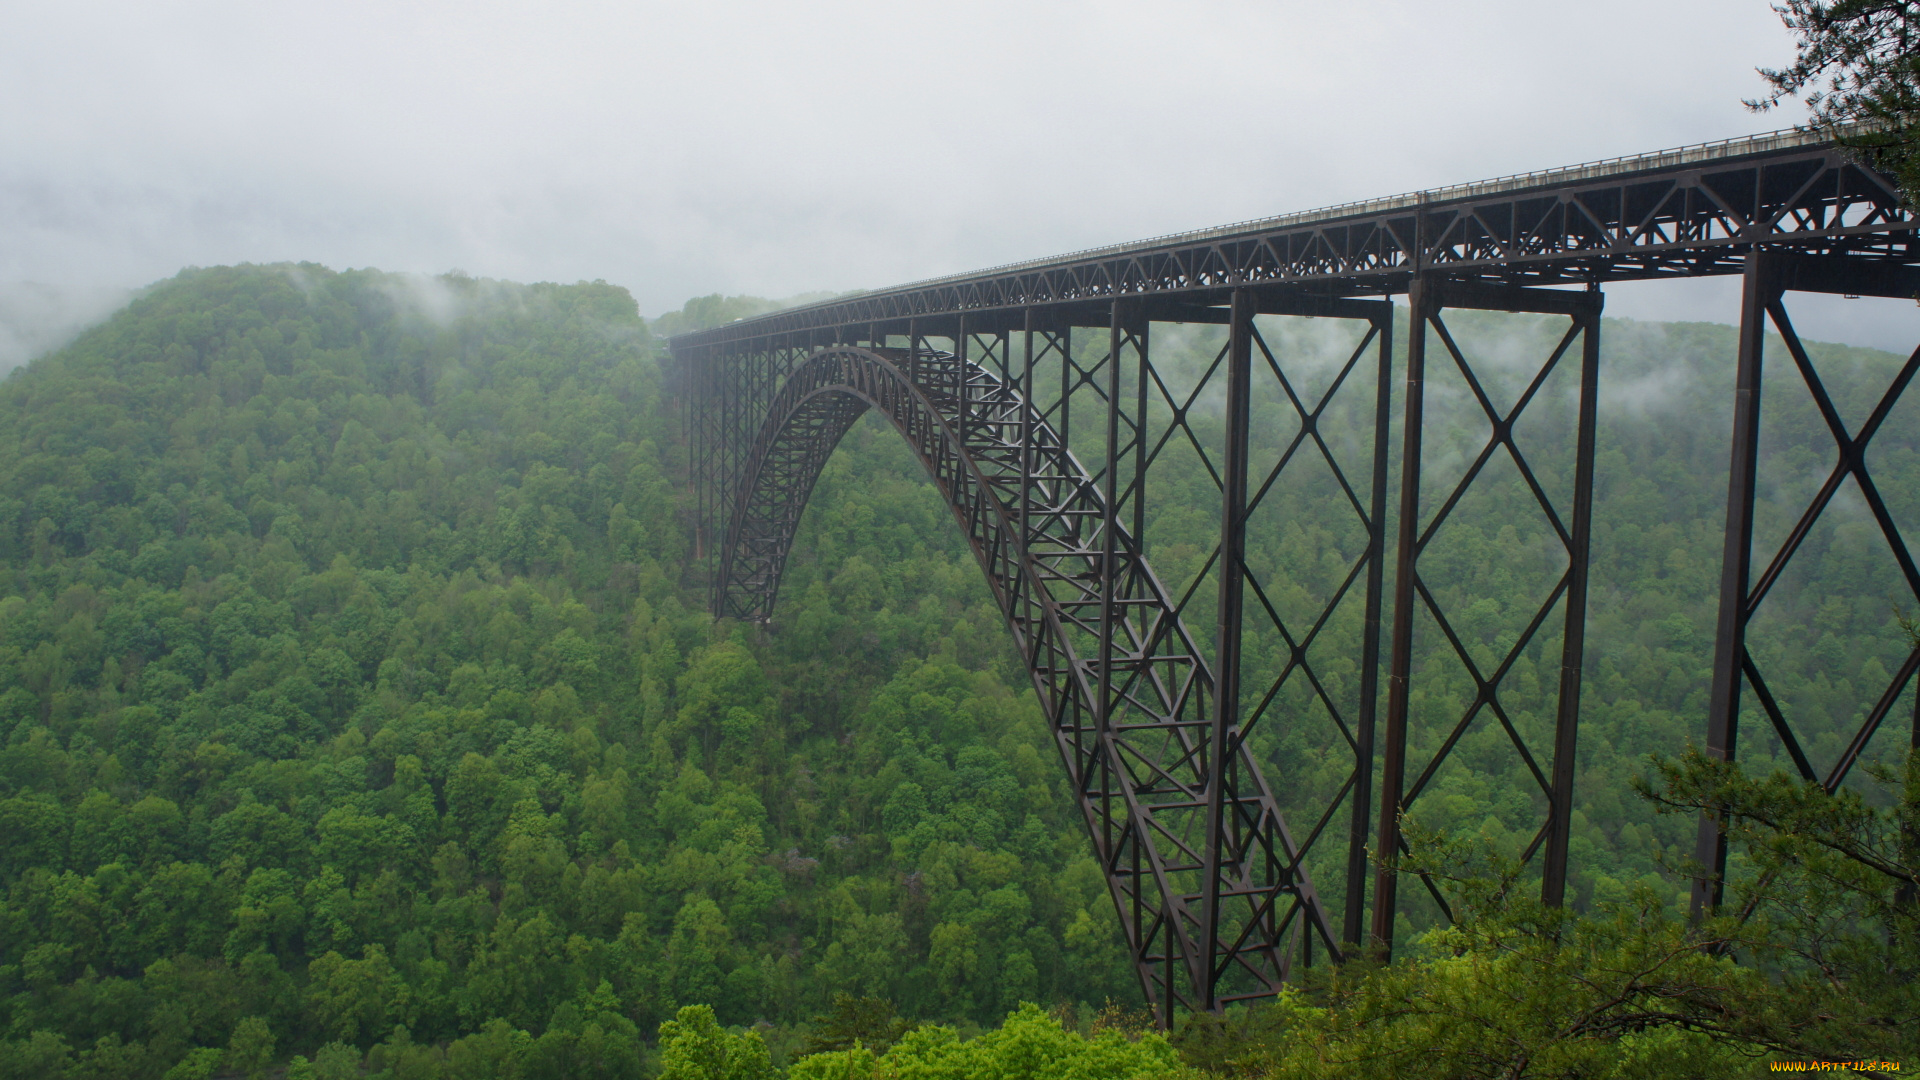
[(1204, 872)]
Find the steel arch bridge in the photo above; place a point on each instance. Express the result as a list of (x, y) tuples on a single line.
[(1031, 396)]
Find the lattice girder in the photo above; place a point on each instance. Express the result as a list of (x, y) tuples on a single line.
[(1130, 719)]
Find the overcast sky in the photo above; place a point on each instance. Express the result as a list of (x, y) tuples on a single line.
[(775, 148)]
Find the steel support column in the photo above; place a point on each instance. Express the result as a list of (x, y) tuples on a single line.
[(1027, 415), (1109, 524), (963, 418), (1757, 290), (1233, 545), (1353, 927), (1393, 759), (1566, 726), (1143, 378)]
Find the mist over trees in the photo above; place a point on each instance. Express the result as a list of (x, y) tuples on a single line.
[(36, 318), (359, 715)]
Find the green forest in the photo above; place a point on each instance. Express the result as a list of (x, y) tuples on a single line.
[(360, 715)]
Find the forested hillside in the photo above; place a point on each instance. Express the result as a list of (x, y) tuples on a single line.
[(351, 681), (356, 692)]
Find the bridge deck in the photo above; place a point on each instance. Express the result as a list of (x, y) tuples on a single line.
[(1689, 211)]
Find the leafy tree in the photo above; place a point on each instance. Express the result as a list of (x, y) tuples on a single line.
[(1832, 886), (694, 1047), (871, 1022), (250, 1050), (1858, 66), (1030, 1043)]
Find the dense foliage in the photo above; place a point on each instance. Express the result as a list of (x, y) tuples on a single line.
[(357, 703), (349, 683)]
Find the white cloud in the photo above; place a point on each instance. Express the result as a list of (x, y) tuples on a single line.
[(773, 148)]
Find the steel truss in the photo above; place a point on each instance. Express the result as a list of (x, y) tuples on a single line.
[(1031, 396), (1124, 688), (1674, 214)]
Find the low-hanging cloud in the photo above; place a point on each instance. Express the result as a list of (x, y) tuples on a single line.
[(37, 318)]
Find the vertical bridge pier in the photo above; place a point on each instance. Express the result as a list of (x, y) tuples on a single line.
[(1183, 708), (1767, 276), (1420, 519)]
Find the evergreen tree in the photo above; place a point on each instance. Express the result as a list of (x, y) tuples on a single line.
[(1858, 64)]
